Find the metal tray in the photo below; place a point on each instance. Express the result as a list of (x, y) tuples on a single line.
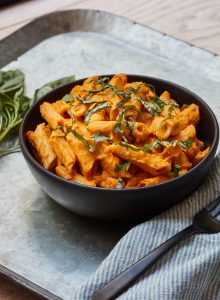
[(43, 246)]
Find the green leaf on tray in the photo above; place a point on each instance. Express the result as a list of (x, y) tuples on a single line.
[(14, 104), (50, 86), (11, 81)]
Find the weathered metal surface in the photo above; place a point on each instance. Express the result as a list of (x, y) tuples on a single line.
[(40, 240)]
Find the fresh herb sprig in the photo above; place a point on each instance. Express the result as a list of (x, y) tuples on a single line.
[(97, 137), (146, 147), (122, 167), (128, 124), (186, 145), (175, 171), (93, 110), (14, 104)]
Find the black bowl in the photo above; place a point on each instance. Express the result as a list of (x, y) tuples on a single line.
[(125, 204)]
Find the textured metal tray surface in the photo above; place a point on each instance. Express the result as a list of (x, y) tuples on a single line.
[(41, 241)]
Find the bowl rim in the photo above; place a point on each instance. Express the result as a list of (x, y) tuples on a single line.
[(33, 161)]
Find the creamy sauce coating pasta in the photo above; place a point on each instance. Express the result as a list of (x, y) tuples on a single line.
[(112, 133)]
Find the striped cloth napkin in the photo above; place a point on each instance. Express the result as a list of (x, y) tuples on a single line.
[(190, 271)]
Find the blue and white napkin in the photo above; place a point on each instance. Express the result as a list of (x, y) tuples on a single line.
[(190, 271)]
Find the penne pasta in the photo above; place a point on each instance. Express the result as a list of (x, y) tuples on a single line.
[(112, 133)]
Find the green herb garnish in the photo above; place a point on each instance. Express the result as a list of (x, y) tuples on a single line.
[(81, 138), (126, 95), (50, 86), (122, 118), (186, 144), (147, 106), (151, 86), (175, 171), (88, 101), (128, 146), (119, 184), (14, 104), (123, 167), (170, 110), (147, 148), (102, 81), (93, 110), (158, 142), (97, 137), (117, 128), (68, 98)]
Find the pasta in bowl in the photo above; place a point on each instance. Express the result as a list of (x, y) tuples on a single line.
[(110, 147), (111, 133)]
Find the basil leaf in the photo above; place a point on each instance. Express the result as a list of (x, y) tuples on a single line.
[(123, 167), (8, 150), (68, 98), (95, 109), (46, 88), (103, 81), (170, 110), (87, 101), (186, 144), (151, 86), (119, 184), (128, 146), (14, 104), (80, 138), (72, 116), (147, 148), (175, 171), (11, 81), (98, 138), (147, 106), (102, 89), (157, 143), (117, 127)]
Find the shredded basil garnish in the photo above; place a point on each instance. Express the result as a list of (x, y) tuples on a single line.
[(97, 137), (146, 147), (123, 167), (151, 86), (87, 101), (81, 139), (95, 109), (72, 116), (68, 98), (102, 89), (147, 106), (170, 110), (128, 146), (122, 117), (103, 81), (158, 142), (126, 95), (175, 171), (186, 144), (119, 184), (117, 128)]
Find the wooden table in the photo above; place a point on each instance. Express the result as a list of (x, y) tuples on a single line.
[(194, 21)]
